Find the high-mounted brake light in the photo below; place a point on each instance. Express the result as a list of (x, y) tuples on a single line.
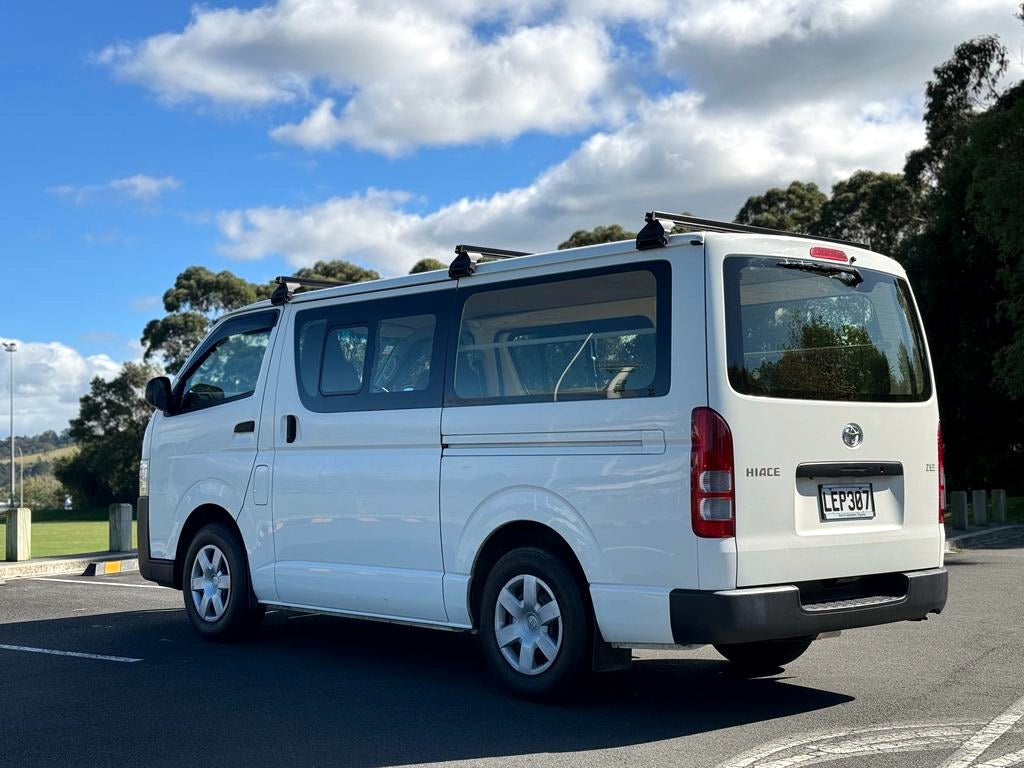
[(712, 476), (832, 254), (942, 481)]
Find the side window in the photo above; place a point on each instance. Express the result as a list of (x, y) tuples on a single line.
[(402, 354), (228, 371), (344, 360), (382, 354), (598, 336)]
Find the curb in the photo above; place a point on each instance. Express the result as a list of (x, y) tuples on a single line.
[(960, 541), (87, 564)]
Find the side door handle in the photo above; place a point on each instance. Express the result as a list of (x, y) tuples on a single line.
[(291, 428), (245, 426)]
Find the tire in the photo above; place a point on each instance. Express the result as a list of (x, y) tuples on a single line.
[(558, 636), (765, 657), (218, 610)]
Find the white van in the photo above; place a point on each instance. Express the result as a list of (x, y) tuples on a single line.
[(728, 436)]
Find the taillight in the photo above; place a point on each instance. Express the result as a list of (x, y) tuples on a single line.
[(712, 479), (942, 481)]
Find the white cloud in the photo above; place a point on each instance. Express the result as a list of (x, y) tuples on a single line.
[(142, 187), (675, 155), (753, 53), (138, 187), (386, 78), (50, 377)]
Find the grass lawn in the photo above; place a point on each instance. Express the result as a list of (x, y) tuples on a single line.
[(60, 532)]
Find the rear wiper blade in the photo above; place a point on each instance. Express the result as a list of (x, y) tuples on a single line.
[(847, 275)]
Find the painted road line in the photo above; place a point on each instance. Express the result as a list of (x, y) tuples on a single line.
[(986, 737), (1006, 761), (74, 654), (830, 746), (970, 740), (100, 583)]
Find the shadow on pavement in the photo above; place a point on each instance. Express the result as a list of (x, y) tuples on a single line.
[(316, 690)]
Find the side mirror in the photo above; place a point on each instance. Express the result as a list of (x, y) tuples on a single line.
[(158, 393)]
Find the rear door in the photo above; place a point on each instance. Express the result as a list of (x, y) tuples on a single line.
[(821, 370)]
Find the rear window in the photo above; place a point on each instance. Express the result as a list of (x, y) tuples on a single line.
[(807, 335)]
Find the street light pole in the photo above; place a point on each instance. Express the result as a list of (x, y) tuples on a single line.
[(12, 347), (21, 478)]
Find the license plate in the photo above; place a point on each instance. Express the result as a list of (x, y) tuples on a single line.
[(846, 502)]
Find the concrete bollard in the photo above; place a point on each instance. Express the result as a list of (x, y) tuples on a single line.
[(958, 509), (120, 527), (999, 506), (19, 534), (979, 507)]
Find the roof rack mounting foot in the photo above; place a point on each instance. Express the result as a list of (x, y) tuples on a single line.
[(652, 235)]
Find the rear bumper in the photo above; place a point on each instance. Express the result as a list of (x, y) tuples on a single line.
[(775, 613), (151, 568)]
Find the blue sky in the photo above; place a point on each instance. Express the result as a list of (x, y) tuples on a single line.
[(141, 138)]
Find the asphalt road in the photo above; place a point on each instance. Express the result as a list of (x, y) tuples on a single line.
[(312, 690)]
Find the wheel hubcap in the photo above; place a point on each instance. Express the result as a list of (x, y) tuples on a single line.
[(528, 624), (211, 583)]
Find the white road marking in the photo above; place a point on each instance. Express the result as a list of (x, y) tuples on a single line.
[(1006, 761), (983, 739), (100, 583), (830, 746), (75, 654)]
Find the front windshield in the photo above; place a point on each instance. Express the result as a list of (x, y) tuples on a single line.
[(807, 335)]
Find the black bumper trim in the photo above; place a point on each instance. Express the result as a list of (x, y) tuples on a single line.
[(776, 613), (151, 568)]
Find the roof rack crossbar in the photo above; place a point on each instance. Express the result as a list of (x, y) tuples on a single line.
[(713, 225), (489, 253), (463, 265), (286, 285)]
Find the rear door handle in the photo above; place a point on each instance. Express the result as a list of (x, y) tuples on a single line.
[(291, 428), (245, 426)]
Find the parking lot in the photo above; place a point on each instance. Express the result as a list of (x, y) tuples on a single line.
[(108, 670)]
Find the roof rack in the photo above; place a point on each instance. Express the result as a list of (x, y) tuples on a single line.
[(286, 287), (649, 236), (463, 264)]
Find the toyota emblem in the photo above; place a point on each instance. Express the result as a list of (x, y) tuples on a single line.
[(853, 435)]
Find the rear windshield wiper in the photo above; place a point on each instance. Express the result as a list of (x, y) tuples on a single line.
[(847, 275)]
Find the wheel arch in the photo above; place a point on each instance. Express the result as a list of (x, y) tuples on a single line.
[(201, 516), (513, 535)]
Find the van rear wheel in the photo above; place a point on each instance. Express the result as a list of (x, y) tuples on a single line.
[(534, 624), (215, 585), (765, 657)]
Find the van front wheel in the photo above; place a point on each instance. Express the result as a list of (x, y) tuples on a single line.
[(215, 583), (766, 656), (534, 624)]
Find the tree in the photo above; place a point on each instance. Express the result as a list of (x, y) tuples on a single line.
[(797, 208), (426, 265), (108, 431), (197, 298), (200, 296), (342, 271), (43, 492), (879, 209), (608, 234), (963, 86), (966, 262)]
